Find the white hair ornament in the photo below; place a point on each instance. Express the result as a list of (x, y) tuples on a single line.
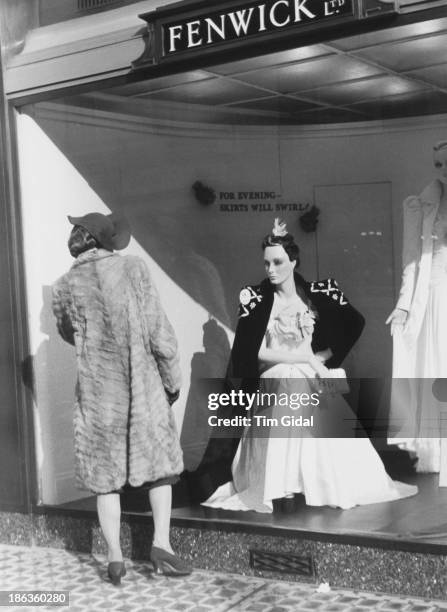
[(279, 228)]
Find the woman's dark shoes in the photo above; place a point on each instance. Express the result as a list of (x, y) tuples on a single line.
[(115, 571), (168, 564)]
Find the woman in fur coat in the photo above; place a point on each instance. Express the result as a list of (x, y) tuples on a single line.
[(107, 306)]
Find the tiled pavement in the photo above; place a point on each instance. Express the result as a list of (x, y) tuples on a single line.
[(31, 569)]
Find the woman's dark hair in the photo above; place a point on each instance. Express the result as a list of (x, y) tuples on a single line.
[(81, 240), (288, 244)]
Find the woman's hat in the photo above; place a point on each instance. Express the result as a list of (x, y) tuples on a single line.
[(111, 231)]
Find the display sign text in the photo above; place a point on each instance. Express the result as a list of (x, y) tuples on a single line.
[(247, 20)]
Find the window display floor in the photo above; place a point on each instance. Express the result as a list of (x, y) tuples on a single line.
[(417, 524)]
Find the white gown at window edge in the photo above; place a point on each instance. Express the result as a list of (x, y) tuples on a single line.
[(420, 358), (342, 472)]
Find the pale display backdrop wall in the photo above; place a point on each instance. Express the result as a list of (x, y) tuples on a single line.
[(52, 188), (74, 161)]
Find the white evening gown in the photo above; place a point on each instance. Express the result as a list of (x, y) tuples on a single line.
[(413, 398), (342, 472)]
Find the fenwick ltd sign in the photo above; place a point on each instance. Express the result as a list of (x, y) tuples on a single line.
[(247, 20), (197, 26)]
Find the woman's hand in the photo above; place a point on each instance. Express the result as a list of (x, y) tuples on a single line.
[(397, 318)]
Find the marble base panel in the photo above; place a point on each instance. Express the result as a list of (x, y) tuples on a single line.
[(16, 529), (349, 566)]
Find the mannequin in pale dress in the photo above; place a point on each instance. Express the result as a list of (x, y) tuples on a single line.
[(419, 325), (334, 471)]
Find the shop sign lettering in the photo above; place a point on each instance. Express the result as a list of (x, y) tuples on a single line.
[(246, 20), (257, 201)]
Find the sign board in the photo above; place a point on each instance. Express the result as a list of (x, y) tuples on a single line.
[(194, 28), (246, 20)]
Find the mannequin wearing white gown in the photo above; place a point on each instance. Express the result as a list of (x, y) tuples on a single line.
[(333, 471), (419, 325)]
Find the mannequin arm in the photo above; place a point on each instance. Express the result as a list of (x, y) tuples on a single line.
[(411, 252), (271, 357)]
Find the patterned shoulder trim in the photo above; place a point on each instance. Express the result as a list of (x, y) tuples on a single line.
[(249, 298), (330, 288)]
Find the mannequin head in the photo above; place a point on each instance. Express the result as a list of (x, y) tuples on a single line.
[(278, 265), (281, 254)]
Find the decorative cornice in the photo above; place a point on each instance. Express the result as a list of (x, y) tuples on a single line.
[(116, 119), (148, 57)]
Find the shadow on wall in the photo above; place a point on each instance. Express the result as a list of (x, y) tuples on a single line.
[(50, 374), (208, 368), (149, 178), (174, 246)]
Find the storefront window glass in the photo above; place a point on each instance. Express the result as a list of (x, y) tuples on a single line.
[(330, 137)]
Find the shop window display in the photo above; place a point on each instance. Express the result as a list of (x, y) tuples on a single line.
[(330, 137)]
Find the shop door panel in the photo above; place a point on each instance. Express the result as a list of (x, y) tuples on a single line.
[(355, 246)]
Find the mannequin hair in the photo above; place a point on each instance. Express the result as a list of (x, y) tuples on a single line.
[(288, 244)]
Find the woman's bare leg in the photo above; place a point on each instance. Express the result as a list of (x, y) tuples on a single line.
[(161, 500), (109, 514)]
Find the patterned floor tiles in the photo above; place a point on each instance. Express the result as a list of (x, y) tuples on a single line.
[(84, 576)]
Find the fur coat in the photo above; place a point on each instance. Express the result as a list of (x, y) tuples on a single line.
[(107, 306)]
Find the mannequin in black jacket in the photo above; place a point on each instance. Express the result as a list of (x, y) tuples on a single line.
[(289, 333), (283, 341), (338, 326)]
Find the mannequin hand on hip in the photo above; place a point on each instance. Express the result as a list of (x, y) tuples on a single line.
[(323, 356), (397, 318), (321, 371)]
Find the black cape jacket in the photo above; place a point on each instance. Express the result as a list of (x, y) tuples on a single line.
[(338, 325)]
